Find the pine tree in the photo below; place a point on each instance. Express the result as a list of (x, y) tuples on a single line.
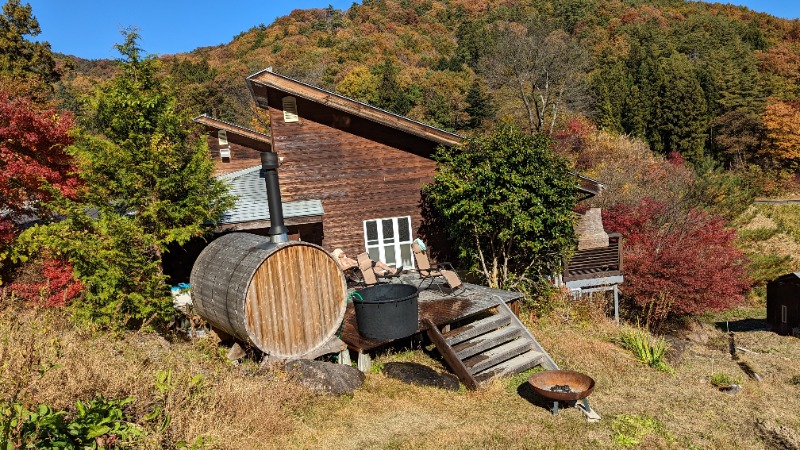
[(26, 67), (147, 186), (479, 105)]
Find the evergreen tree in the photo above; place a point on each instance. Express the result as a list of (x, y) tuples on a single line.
[(26, 67), (147, 185), (479, 105)]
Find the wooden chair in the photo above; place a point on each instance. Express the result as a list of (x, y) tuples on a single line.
[(431, 271)]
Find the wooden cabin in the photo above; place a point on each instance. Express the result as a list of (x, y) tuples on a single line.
[(361, 167), (783, 304), (233, 147)]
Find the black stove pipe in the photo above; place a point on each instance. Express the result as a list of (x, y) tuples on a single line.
[(277, 230)]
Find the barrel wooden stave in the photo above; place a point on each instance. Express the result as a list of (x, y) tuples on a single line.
[(286, 299)]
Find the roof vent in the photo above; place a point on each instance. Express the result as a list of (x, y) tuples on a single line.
[(290, 110)]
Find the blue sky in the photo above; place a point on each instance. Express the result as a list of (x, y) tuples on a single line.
[(90, 28)]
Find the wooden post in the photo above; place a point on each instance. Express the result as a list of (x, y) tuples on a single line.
[(616, 304)]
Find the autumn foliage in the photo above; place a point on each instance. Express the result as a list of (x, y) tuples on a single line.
[(685, 265), (32, 160), (50, 282), (782, 123)]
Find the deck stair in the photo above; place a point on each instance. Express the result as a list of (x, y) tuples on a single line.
[(489, 347)]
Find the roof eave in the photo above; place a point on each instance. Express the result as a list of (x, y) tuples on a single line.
[(267, 79)]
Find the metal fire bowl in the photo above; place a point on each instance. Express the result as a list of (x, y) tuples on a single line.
[(581, 385)]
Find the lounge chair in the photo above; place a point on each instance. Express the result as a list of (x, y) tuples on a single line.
[(431, 271), (369, 275)]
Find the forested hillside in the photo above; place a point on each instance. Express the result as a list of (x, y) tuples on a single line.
[(700, 79)]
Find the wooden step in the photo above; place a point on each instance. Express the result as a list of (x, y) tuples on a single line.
[(497, 355), (513, 366), (476, 328), (486, 341)]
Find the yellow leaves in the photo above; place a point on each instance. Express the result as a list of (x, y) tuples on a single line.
[(782, 124), (360, 84)]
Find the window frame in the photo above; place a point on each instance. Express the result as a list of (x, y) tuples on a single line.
[(381, 246)]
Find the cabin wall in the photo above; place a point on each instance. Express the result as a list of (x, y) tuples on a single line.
[(343, 161), (242, 156)]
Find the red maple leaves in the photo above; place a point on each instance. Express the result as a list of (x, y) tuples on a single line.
[(32, 159), (686, 257)]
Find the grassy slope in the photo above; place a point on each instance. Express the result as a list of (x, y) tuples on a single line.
[(234, 407)]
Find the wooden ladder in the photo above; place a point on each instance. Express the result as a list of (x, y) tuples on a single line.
[(494, 346)]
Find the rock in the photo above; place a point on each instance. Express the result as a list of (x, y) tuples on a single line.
[(413, 373), (731, 389), (236, 352), (320, 376)]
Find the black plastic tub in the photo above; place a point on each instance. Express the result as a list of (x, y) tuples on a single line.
[(387, 311)]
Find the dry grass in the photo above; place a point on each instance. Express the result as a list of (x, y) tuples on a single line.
[(233, 407)]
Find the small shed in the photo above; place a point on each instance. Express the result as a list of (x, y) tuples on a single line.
[(783, 304)]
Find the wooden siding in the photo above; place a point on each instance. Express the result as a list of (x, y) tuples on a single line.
[(360, 170), (242, 156)]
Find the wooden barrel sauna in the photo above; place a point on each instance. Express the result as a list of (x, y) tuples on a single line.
[(286, 299)]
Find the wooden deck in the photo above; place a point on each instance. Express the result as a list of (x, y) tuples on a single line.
[(441, 309)]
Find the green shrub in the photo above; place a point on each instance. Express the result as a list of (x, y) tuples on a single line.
[(98, 423), (720, 379), (757, 234), (647, 349)]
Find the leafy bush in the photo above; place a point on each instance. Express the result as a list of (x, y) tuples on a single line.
[(688, 257), (507, 205), (99, 423), (647, 349), (46, 282)]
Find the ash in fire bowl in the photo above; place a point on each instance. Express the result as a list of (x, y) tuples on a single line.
[(562, 385), (560, 388)]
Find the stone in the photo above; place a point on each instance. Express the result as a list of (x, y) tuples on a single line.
[(589, 230), (420, 375), (325, 377), (236, 352)]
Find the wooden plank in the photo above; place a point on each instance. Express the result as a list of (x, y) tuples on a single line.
[(450, 357), (484, 342), (513, 366), (497, 355), (476, 328)]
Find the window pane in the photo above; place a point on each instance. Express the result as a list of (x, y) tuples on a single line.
[(388, 231), (404, 229), (374, 253), (405, 255), (372, 232), (390, 257)]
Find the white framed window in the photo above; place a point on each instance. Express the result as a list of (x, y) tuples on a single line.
[(222, 136), (389, 240), (784, 314)]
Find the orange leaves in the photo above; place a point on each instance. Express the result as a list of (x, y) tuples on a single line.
[(782, 124)]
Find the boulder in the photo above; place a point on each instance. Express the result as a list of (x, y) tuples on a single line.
[(420, 375), (325, 377)]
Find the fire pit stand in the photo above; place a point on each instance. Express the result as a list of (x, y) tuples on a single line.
[(565, 386)]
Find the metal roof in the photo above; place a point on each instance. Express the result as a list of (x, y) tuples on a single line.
[(251, 204)]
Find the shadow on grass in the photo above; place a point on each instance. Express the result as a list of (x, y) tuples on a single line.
[(526, 391), (741, 325)]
